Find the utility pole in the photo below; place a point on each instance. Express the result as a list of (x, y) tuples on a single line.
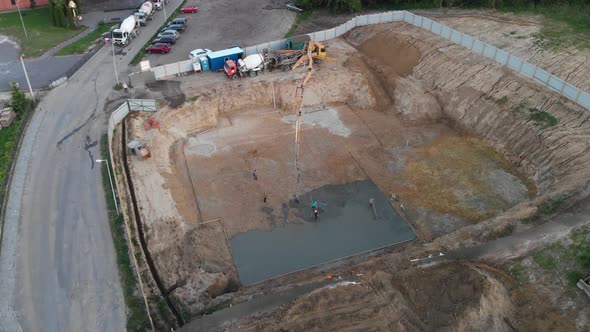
[(21, 18), (27, 77), (164, 7)]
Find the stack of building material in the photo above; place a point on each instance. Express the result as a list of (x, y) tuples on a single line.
[(7, 117)]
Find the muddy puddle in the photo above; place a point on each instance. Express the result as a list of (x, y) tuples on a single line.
[(346, 226)]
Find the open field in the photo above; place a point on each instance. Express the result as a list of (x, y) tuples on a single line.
[(471, 151)]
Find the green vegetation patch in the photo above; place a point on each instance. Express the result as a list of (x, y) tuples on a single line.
[(42, 35), (10, 136), (551, 205), (137, 319), (541, 118), (519, 273), (298, 19), (81, 45), (545, 260)]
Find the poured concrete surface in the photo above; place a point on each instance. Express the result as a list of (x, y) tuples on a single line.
[(345, 227)]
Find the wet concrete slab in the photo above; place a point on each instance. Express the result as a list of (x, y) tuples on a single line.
[(345, 227)]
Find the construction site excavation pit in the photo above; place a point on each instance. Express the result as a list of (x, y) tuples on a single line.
[(428, 130)]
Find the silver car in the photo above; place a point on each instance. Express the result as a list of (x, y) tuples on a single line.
[(169, 33)]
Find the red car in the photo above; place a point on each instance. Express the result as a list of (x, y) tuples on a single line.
[(158, 48), (189, 9)]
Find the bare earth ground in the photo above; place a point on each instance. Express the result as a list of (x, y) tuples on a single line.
[(450, 297), (423, 118)]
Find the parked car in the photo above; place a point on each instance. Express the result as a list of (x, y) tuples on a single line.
[(165, 40), (177, 27), (158, 48), (173, 33), (196, 54), (180, 20), (189, 9)]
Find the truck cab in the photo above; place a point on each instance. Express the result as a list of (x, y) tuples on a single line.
[(158, 4), (230, 69), (141, 18)]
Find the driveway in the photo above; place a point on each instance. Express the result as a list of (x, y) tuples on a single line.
[(223, 23)]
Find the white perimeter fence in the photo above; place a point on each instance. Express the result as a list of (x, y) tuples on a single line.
[(501, 57)]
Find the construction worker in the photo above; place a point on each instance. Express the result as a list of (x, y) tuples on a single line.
[(314, 205), (254, 175), (295, 198), (125, 87), (265, 197), (315, 213)]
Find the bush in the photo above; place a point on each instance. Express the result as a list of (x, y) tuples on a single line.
[(335, 5), (19, 102), (574, 276)]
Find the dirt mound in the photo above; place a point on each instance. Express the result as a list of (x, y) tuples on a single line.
[(449, 297), (400, 56)]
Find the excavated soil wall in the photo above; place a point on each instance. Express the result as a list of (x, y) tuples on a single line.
[(491, 102), (395, 69)]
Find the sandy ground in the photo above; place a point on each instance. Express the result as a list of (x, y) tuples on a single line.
[(426, 120)]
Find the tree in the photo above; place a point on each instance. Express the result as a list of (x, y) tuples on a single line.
[(52, 12), (18, 101)]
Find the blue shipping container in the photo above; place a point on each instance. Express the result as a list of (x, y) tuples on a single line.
[(217, 58)]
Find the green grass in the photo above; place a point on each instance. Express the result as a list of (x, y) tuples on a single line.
[(82, 44), (139, 56), (545, 260), (137, 319), (542, 119), (519, 273), (551, 205), (8, 142), (574, 276), (42, 35), (569, 258), (564, 23), (298, 19)]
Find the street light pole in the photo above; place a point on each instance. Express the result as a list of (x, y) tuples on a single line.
[(164, 6), (27, 77), (21, 18), (111, 181)]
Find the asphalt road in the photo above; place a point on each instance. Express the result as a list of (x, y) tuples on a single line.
[(58, 266), (41, 71)]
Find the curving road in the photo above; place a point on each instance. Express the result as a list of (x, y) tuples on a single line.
[(58, 267)]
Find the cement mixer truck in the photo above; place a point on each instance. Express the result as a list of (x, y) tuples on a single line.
[(145, 13), (254, 64), (127, 31)]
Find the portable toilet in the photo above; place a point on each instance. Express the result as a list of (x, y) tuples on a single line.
[(204, 63)]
